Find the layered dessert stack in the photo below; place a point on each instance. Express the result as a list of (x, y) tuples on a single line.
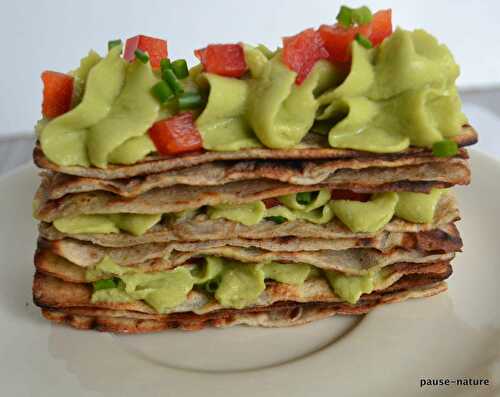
[(261, 188)]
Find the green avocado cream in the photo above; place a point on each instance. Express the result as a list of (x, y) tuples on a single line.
[(64, 139), (366, 217), (288, 273), (418, 207), (247, 214), (350, 288), (136, 224), (359, 217), (399, 94), (373, 215), (318, 211), (222, 124), (116, 107), (130, 116), (238, 285)]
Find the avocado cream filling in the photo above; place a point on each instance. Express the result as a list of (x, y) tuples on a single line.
[(232, 284), (136, 224), (399, 94), (362, 217), (112, 110)]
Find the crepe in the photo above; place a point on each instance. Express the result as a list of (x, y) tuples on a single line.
[(59, 286), (54, 297), (360, 175), (52, 292), (166, 256), (201, 228), (104, 321), (313, 146), (180, 197)]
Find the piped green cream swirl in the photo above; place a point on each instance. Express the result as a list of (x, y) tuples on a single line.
[(110, 121), (399, 94)]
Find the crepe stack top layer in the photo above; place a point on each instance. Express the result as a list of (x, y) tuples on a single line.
[(258, 187)]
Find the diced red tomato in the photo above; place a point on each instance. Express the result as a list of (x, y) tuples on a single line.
[(381, 26), (337, 40), (176, 135), (57, 93), (223, 59), (271, 202), (302, 51), (156, 49), (340, 194)]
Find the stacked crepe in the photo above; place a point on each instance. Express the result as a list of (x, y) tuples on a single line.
[(258, 236), (415, 257)]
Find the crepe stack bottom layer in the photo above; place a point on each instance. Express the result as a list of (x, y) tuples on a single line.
[(226, 241)]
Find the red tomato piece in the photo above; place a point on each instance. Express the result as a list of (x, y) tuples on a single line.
[(337, 40), (340, 194), (223, 59), (57, 93), (302, 51), (156, 49), (271, 202), (381, 26), (176, 135)]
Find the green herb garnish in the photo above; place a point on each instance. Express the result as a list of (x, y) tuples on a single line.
[(162, 92), (344, 17), (277, 219), (445, 148), (104, 284), (169, 76), (304, 198), (363, 41), (190, 100), (165, 64), (349, 16), (180, 68), (361, 15), (141, 56), (114, 43)]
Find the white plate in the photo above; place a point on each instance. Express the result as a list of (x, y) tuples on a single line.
[(453, 335)]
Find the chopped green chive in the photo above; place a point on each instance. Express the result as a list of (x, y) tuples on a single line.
[(165, 64), (362, 15), (162, 92), (344, 17), (114, 43), (363, 41), (304, 198), (169, 76), (104, 284), (180, 68), (277, 219), (266, 51), (190, 100), (445, 148), (141, 56)]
